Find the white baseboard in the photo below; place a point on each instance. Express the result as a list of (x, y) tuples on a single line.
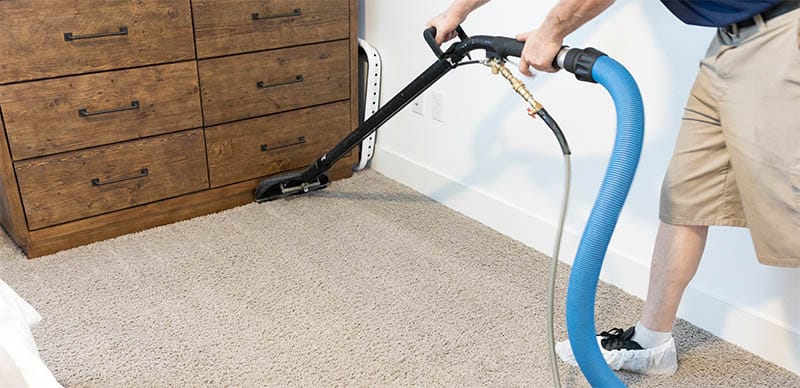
[(734, 323)]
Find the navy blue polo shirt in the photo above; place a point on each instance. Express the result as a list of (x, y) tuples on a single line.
[(716, 13)]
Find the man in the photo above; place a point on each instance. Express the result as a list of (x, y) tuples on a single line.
[(736, 160)]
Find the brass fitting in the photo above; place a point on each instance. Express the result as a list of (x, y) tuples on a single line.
[(499, 67)]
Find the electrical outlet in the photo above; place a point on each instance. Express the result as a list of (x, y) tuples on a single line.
[(437, 106), (418, 106)]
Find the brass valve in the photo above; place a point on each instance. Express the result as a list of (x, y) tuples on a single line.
[(499, 67)]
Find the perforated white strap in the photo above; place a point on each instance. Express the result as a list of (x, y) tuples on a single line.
[(373, 95)]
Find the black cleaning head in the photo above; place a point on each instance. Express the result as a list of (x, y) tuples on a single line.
[(286, 185)]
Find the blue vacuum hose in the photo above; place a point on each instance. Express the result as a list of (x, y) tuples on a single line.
[(591, 65)]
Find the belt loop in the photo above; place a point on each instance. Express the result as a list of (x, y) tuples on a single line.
[(734, 30), (760, 22)]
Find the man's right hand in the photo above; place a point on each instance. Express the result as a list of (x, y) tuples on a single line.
[(539, 52)]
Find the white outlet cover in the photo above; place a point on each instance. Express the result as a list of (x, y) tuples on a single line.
[(437, 106)]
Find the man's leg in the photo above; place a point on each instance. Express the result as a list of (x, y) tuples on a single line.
[(676, 255)]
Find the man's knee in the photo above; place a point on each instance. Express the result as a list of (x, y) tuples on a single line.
[(701, 230)]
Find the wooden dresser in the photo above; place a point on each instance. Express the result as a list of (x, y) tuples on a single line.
[(119, 116)]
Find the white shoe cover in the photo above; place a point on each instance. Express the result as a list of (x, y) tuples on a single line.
[(660, 360)]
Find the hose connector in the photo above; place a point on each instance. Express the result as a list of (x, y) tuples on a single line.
[(579, 62), (499, 67)]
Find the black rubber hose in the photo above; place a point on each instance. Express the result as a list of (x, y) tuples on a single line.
[(562, 140)]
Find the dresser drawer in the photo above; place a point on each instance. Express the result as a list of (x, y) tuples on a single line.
[(229, 27), (257, 84), (41, 39), (268, 145), (65, 114), (66, 187)]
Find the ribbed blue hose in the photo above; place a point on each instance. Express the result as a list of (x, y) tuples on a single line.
[(602, 221)]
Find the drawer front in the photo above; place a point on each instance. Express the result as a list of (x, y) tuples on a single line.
[(251, 85), (267, 145), (237, 26), (67, 187), (52, 38), (65, 114)]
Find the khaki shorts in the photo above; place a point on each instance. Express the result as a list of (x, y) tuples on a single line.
[(737, 157)]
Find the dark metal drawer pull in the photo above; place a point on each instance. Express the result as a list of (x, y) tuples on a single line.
[(296, 12), (85, 112), (69, 37), (142, 173), (300, 140), (297, 79)]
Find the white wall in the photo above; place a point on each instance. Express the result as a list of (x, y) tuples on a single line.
[(491, 162)]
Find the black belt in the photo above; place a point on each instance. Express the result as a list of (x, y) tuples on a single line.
[(771, 12)]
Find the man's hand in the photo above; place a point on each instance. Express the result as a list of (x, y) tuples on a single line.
[(543, 44), (539, 52), (447, 21)]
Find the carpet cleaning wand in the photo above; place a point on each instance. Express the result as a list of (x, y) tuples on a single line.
[(313, 178)]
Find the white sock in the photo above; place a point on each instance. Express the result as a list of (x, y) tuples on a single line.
[(648, 338)]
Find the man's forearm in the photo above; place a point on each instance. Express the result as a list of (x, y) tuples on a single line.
[(464, 7), (568, 15)]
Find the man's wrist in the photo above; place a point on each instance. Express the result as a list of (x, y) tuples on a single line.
[(550, 33), (463, 8)]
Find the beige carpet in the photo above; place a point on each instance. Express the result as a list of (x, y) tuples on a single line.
[(367, 283)]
